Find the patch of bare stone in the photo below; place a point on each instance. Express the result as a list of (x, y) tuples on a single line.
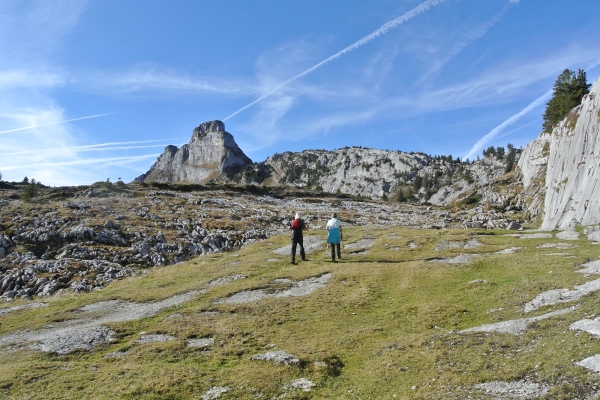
[(510, 250), (296, 289), (278, 357), (303, 384), (522, 389), (516, 326), (591, 325), (459, 259), (311, 244), (4, 311), (154, 338), (87, 331), (471, 244), (215, 392)]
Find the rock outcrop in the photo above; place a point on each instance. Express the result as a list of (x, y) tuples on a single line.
[(560, 171), (573, 176), (210, 152), (381, 174), (532, 168)]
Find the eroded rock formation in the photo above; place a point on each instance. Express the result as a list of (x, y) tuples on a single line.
[(210, 152)]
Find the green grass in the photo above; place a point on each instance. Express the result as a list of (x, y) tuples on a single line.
[(386, 322)]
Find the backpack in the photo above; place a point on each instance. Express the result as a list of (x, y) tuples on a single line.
[(296, 224)]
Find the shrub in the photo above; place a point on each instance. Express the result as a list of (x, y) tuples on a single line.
[(31, 190)]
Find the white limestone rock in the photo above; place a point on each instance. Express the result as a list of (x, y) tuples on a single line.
[(572, 179), (209, 153)]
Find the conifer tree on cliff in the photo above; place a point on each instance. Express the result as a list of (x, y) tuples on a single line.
[(569, 89)]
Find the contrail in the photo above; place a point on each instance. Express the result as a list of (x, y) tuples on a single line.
[(81, 162), (101, 146), (494, 132), (381, 31), (54, 123)]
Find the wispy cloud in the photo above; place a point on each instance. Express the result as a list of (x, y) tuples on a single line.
[(153, 78), (468, 37), (54, 123), (110, 146), (494, 132), (88, 161), (381, 31)]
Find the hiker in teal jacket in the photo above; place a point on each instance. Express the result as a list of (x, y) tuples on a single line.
[(334, 236)]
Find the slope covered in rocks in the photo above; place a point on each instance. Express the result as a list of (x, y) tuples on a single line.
[(81, 238)]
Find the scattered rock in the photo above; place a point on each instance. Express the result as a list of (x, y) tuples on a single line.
[(555, 245), (459, 259), (592, 363), (555, 296), (4, 311), (568, 234), (510, 250), (514, 390), (278, 357), (116, 354), (303, 384), (539, 235), (88, 331), (477, 282), (215, 392), (298, 289), (311, 244), (592, 267), (203, 343), (513, 226), (361, 244), (154, 338), (515, 326)]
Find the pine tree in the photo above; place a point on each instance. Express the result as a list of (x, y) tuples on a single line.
[(569, 89)]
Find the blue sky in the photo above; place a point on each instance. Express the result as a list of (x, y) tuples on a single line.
[(96, 89)]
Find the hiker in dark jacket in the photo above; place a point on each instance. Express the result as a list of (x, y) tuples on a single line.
[(297, 226)]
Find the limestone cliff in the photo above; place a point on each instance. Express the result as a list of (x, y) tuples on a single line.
[(210, 152), (532, 169), (573, 175)]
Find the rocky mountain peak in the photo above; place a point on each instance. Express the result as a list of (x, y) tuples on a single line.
[(210, 152), (210, 126)]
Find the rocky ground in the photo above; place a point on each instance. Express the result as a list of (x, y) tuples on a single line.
[(82, 238)]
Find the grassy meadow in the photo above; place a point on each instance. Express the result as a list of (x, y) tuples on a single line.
[(386, 326)]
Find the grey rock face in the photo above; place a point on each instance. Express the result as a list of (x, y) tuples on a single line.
[(572, 180), (532, 167), (209, 153)]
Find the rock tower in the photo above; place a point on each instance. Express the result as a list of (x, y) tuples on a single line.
[(210, 152)]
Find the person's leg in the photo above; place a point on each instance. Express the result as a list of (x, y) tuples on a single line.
[(339, 251), (332, 251), (293, 252), (302, 253)]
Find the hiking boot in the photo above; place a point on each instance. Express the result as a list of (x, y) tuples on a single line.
[(303, 258), (333, 260), (293, 261)]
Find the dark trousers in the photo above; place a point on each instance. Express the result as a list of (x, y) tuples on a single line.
[(296, 241), (335, 246)]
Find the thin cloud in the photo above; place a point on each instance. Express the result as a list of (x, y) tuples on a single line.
[(148, 78), (105, 161), (54, 123), (80, 149), (381, 31), (494, 132)]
